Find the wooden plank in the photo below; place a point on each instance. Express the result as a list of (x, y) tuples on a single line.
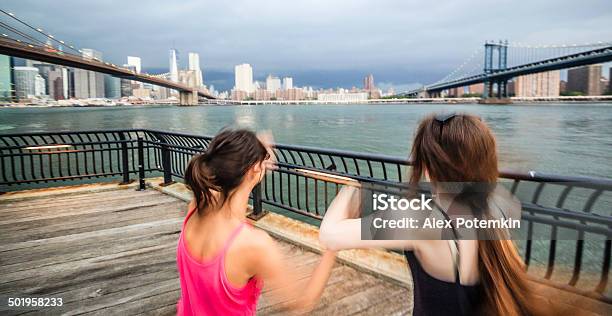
[(87, 253), (118, 257), (54, 203), (104, 267), (91, 222), (136, 229), (116, 206), (59, 249)]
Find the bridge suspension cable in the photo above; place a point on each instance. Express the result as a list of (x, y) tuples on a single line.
[(468, 67), (40, 31)]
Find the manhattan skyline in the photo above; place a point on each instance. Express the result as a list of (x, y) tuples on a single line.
[(402, 43)]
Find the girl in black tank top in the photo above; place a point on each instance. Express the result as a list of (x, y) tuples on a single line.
[(436, 297)]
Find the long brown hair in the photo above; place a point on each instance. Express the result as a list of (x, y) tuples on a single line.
[(461, 148), (222, 167)]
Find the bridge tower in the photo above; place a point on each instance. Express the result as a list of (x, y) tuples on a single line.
[(493, 50), (188, 97)]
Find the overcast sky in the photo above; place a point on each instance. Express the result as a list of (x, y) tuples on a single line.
[(318, 42)]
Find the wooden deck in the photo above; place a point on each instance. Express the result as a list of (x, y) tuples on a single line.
[(113, 252)]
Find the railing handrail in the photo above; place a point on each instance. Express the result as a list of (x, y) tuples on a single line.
[(293, 187), (531, 175)]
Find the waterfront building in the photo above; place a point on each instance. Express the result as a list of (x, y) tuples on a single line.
[(243, 78), (610, 81), (89, 84), (173, 66), (135, 62), (112, 87), (343, 96), (40, 85), (477, 88), (585, 80), (293, 94), (273, 84), (141, 93), (54, 80), (194, 65), (262, 95), (25, 81), (368, 83), (287, 83), (126, 88), (55, 83), (81, 84), (543, 84), (239, 95), (6, 78), (562, 86), (457, 92)]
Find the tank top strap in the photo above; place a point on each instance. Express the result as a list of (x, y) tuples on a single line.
[(189, 213), (232, 236)]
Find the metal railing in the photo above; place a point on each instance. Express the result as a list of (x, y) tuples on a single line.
[(552, 205)]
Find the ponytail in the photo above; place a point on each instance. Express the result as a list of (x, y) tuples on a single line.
[(213, 175), (200, 180)]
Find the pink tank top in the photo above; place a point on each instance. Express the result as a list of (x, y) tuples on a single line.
[(205, 289)]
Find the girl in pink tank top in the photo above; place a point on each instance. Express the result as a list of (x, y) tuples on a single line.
[(214, 295), (221, 179)]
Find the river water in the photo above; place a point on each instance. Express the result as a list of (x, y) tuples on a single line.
[(566, 139)]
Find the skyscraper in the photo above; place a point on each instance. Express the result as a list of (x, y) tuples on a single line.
[(89, 84), (243, 78), (136, 62), (610, 82), (40, 85), (126, 84), (6, 78), (81, 83), (287, 83), (173, 66), (273, 84), (112, 87), (55, 83), (194, 65), (25, 81), (585, 79), (368, 83)]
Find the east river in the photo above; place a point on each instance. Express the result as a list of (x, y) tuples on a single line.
[(566, 139)]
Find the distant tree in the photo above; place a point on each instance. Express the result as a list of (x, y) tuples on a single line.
[(571, 93), (471, 95)]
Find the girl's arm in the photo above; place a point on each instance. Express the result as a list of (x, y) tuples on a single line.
[(286, 287), (341, 225)]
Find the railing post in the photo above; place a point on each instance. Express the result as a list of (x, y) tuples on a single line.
[(166, 164), (258, 211), (125, 166), (141, 170)]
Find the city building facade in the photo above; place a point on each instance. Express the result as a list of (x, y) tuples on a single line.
[(25, 81), (112, 87), (6, 78), (243, 78), (585, 80), (194, 65), (543, 84), (173, 66)]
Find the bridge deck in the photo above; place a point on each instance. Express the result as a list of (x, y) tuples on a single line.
[(113, 252)]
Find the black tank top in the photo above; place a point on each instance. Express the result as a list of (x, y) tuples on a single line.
[(437, 297)]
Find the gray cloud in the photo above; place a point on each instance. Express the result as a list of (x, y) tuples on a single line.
[(400, 41)]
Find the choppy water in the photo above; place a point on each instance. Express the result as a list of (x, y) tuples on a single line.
[(568, 139)]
